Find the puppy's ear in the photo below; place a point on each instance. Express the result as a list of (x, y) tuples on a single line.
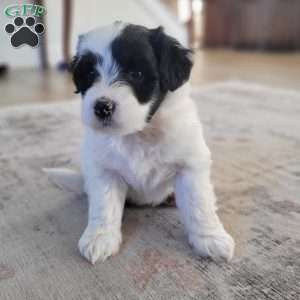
[(73, 70), (74, 65), (174, 61)]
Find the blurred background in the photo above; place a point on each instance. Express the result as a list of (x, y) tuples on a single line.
[(250, 40)]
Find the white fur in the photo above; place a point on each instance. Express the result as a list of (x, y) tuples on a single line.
[(169, 154), (147, 162)]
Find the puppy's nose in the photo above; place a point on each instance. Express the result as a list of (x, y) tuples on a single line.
[(104, 108)]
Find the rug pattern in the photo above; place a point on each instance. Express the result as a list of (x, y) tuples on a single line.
[(254, 134)]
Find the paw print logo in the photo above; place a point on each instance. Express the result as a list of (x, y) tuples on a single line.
[(24, 33)]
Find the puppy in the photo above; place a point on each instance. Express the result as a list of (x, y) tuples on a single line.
[(143, 138)]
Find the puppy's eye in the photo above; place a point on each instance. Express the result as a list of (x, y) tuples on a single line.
[(136, 75), (92, 73)]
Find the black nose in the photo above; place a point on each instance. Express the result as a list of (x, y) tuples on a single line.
[(104, 108)]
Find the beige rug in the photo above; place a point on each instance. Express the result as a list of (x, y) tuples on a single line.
[(254, 135)]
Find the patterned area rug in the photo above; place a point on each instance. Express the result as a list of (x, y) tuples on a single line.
[(254, 135)]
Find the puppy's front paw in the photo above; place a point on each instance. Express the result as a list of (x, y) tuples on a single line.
[(218, 246), (99, 244)]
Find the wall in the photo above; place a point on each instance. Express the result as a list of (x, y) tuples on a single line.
[(256, 24), (86, 15)]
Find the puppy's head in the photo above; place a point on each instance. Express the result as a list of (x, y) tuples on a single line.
[(124, 72)]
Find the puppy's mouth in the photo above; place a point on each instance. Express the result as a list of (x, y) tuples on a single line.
[(107, 122), (105, 125)]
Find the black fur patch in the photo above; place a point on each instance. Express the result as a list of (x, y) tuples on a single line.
[(136, 59), (163, 63), (174, 60), (84, 71)]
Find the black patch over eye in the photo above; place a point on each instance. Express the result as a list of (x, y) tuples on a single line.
[(137, 62), (84, 71)]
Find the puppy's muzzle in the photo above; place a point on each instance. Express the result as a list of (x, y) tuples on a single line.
[(104, 109)]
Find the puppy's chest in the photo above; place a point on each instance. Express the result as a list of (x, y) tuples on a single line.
[(144, 168)]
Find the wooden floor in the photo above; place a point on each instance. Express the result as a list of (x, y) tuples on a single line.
[(272, 69), (280, 70)]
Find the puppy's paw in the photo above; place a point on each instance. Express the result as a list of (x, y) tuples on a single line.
[(99, 244), (218, 246)]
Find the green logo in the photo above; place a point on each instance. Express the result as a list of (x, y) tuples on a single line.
[(24, 29), (24, 10)]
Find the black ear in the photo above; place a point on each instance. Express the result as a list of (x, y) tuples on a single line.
[(174, 61), (72, 69), (83, 69)]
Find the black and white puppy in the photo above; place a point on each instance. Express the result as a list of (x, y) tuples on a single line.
[(143, 138)]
